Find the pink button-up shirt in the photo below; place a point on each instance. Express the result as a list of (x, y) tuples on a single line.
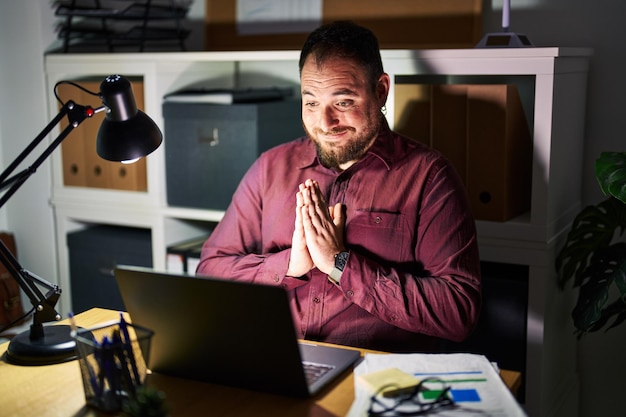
[(412, 275)]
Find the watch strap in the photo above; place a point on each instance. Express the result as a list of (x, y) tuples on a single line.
[(335, 276), (340, 263)]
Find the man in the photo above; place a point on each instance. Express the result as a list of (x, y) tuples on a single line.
[(368, 231)]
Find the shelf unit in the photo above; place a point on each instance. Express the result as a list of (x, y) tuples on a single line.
[(557, 98)]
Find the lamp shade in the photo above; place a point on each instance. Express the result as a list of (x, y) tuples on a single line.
[(126, 133)]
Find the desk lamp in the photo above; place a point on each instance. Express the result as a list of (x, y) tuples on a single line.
[(126, 134)]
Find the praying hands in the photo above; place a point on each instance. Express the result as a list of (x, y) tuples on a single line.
[(318, 233)]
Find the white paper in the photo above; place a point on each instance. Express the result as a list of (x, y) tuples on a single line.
[(469, 376), (259, 17)]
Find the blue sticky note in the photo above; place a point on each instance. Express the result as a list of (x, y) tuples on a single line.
[(465, 395)]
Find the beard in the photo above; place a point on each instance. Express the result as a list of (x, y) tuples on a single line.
[(333, 155)]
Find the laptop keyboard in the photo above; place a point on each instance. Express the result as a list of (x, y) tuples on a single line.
[(314, 371)]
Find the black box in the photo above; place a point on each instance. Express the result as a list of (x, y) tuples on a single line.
[(209, 147), (94, 253)]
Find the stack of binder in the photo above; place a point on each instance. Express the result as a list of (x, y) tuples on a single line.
[(484, 132)]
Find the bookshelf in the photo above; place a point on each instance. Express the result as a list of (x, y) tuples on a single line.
[(552, 84)]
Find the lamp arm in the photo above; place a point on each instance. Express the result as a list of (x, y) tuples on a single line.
[(44, 304), (76, 114)]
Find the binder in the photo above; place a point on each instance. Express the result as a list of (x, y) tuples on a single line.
[(448, 121), (499, 170), (131, 177), (412, 117), (193, 259), (183, 257), (73, 147)]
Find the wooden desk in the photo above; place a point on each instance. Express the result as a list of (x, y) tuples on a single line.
[(57, 390)]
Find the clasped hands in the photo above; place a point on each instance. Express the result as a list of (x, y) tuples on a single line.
[(318, 233)]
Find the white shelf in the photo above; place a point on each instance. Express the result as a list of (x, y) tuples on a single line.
[(558, 96)]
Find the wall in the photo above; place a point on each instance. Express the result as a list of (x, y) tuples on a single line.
[(23, 113), (26, 31)]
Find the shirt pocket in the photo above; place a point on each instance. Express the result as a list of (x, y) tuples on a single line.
[(379, 234)]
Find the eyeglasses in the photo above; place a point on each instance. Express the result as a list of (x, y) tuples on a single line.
[(429, 395)]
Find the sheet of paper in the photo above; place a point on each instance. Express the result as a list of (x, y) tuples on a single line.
[(259, 17), (475, 384)]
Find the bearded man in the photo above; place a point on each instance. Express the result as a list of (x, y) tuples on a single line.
[(369, 232)]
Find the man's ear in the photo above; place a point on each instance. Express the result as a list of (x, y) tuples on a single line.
[(382, 88)]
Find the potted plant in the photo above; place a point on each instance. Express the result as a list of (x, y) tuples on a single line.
[(594, 254)]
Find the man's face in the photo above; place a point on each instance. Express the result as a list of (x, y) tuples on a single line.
[(340, 112)]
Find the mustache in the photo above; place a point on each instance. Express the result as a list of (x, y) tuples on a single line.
[(335, 130)]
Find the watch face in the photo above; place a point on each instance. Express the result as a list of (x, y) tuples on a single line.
[(340, 260)]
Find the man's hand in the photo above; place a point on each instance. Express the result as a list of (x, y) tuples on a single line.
[(323, 226), (300, 261)]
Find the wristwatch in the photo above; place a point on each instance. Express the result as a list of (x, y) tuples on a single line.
[(340, 263)]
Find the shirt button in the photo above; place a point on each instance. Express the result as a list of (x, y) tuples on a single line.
[(378, 219), (316, 300), (276, 278), (350, 293)]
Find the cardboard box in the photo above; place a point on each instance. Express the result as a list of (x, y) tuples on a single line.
[(401, 24)]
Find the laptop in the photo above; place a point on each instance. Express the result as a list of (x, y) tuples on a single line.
[(227, 332)]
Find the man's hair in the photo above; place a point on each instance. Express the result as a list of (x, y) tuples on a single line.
[(347, 40)]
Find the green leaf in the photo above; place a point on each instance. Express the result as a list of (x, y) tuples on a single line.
[(620, 276), (607, 266), (611, 174), (593, 229), (592, 297)]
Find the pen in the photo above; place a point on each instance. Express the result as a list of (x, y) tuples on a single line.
[(111, 398), (84, 355), (119, 350), (129, 349), (73, 326)]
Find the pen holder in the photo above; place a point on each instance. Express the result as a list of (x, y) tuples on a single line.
[(113, 362)]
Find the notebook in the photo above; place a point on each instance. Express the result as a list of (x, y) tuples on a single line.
[(227, 332)]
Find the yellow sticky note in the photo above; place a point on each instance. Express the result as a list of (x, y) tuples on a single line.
[(397, 382)]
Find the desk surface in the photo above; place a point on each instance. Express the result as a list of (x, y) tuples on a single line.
[(56, 390)]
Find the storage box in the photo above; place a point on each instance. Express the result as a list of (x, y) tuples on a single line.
[(209, 147), (94, 253), (404, 24)]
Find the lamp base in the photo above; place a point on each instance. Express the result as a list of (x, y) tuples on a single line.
[(505, 40), (56, 346)]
